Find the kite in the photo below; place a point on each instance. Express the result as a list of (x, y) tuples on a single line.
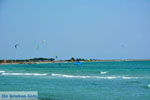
[(16, 46)]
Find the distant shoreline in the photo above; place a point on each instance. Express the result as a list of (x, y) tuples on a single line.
[(64, 61)]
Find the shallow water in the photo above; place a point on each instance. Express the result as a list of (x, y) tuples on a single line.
[(89, 81)]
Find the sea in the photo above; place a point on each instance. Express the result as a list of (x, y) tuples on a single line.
[(116, 80)]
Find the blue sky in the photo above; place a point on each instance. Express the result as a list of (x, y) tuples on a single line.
[(101, 29)]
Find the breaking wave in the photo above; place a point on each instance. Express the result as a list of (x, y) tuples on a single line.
[(96, 77), (67, 76), (103, 72), (126, 77), (2, 71)]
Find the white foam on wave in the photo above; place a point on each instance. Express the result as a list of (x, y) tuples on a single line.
[(103, 72), (25, 74), (77, 76), (69, 76), (2, 71), (126, 77), (96, 77)]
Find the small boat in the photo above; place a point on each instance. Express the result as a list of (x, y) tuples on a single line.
[(78, 63)]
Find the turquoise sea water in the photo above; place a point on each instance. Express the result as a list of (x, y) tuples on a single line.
[(128, 80)]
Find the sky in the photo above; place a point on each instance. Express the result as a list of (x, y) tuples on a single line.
[(98, 29)]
